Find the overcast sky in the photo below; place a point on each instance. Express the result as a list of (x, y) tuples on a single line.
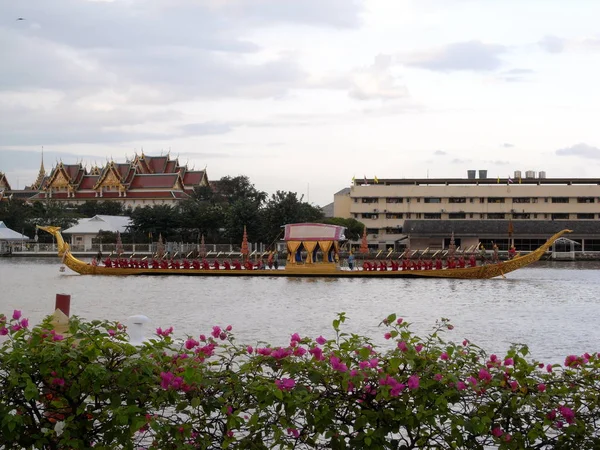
[(302, 95)]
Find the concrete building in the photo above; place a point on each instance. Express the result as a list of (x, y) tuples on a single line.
[(386, 206)]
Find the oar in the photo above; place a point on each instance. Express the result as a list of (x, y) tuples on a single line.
[(377, 255), (436, 252), (389, 253), (188, 255)]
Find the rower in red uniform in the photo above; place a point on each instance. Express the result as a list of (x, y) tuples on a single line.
[(108, 262), (155, 264), (472, 260), (512, 252), (205, 265), (461, 262), (226, 265), (216, 264), (186, 264), (196, 264), (237, 265), (438, 264)]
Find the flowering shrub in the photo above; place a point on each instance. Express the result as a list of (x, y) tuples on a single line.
[(91, 388)]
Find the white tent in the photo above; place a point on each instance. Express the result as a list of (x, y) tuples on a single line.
[(6, 234)]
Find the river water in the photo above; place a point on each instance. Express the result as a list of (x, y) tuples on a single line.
[(552, 307)]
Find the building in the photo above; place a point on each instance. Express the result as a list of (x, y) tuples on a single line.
[(86, 230), (387, 206), (143, 181)]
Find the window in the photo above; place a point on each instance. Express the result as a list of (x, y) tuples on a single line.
[(592, 245), (370, 200), (521, 200), (585, 216), (482, 200), (394, 200), (372, 230), (496, 216), (495, 199), (458, 215), (560, 199), (393, 230), (457, 200), (521, 216), (432, 200), (585, 199), (432, 216), (417, 215), (560, 216), (527, 245), (370, 216), (393, 216), (471, 200)]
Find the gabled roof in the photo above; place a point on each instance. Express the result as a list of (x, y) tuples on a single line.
[(100, 223), (4, 182), (193, 178), (158, 180), (6, 234), (88, 181)]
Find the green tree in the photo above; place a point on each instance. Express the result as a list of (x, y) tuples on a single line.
[(354, 228), (230, 189), (157, 219), (108, 208)]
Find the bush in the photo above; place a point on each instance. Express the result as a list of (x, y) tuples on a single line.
[(91, 388)]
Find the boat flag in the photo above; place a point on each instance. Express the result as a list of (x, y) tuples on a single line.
[(376, 180)]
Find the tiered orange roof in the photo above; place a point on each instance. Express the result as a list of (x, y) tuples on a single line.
[(144, 177)]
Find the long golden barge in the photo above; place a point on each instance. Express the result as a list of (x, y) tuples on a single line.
[(308, 238)]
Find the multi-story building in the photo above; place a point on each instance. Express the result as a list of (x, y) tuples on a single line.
[(143, 181), (395, 209)]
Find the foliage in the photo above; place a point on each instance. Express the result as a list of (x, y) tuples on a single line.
[(354, 228), (92, 388), (108, 208)]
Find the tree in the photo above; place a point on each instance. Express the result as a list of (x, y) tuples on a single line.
[(354, 228), (284, 208), (156, 219), (108, 208), (230, 190)]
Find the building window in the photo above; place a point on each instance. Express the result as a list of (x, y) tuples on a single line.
[(585, 199), (417, 215), (495, 199), (470, 215), (482, 200), (496, 216), (560, 199), (458, 215), (560, 216), (408, 215), (432, 200), (592, 245), (394, 200), (370, 200), (369, 216), (585, 216), (372, 230), (471, 199), (521, 216), (521, 200), (393, 216), (528, 245), (392, 230), (432, 216), (457, 200)]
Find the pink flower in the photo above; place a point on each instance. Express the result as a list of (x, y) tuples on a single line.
[(58, 381), (472, 380), (373, 363), (461, 386), (223, 336), (336, 364), (413, 382), (363, 365), (514, 385), (438, 377), (295, 337), (450, 327), (541, 387), (493, 358), (202, 338), (400, 320), (567, 413), (164, 333), (419, 347), (16, 327), (294, 432), (57, 337), (484, 375), (280, 353), (16, 314), (317, 353), (465, 342), (509, 362), (497, 432), (551, 415), (573, 361), (387, 335), (229, 328), (191, 343), (264, 351), (249, 349), (444, 356), (3, 331), (321, 340), (402, 346), (111, 332), (229, 410), (24, 323), (216, 331), (285, 384), (549, 368)]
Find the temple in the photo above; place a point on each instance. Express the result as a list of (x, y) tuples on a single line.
[(145, 180)]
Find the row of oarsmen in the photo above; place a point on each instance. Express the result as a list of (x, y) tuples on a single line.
[(132, 263), (419, 264)]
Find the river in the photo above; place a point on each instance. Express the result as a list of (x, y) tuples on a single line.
[(552, 307)]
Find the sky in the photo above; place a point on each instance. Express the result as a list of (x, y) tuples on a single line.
[(303, 95)]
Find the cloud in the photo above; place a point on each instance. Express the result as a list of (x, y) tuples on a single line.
[(499, 162), (514, 75), (461, 56), (553, 44), (440, 153), (582, 150), (376, 82), (460, 161), (204, 128), (508, 145)]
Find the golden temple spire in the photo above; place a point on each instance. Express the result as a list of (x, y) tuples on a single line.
[(41, 174)]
